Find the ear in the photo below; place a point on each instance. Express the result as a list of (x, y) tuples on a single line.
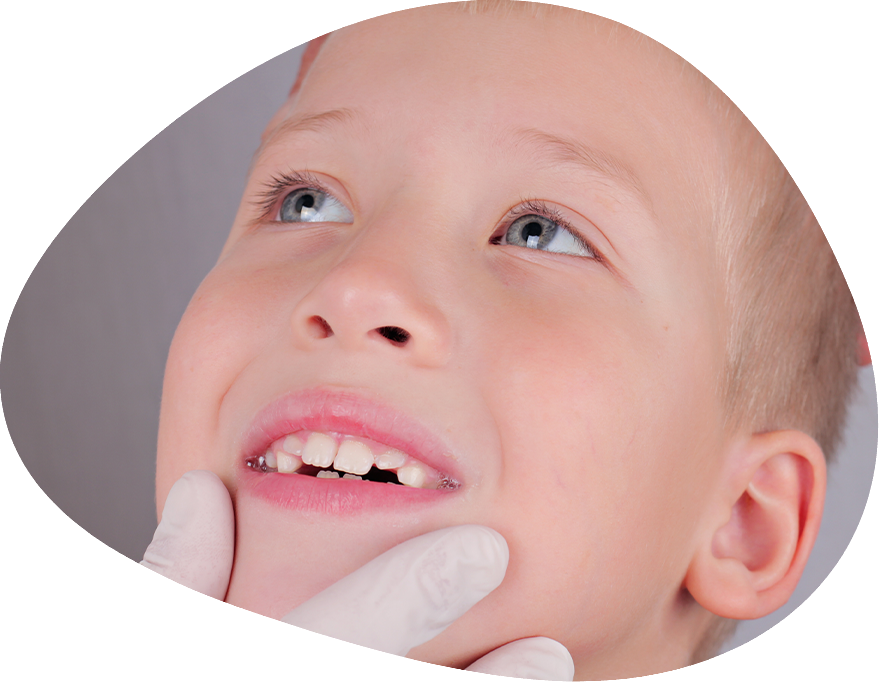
[(751, 557)]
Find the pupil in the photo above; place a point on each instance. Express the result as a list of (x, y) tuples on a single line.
[(532, 230), (305, 201)]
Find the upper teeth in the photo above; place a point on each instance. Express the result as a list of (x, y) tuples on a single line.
[(292, 444), (319, 450), (411, 474), (287, 463), (392, 459), (352, 456)]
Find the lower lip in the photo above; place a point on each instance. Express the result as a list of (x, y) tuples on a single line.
[(335, 496)]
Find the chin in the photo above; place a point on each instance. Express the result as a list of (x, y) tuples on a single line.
[(284, 557)]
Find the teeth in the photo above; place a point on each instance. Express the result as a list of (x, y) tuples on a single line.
[(319, 450), (412, 475), (391, 459), (354, 457), (292, 444), (287, 464), (271, 461)]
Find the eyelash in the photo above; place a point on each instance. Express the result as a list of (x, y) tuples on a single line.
[(278, 186), (537, 207)]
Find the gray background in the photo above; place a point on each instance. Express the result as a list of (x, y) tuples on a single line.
[(126, 129)]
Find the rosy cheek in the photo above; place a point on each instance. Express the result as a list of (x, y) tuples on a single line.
[(200, 364)]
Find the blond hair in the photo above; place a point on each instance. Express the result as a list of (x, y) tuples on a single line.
[(784, 243)]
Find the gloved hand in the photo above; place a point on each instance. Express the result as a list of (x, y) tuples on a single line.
[(144, 627), (360, 628), (399, 600)]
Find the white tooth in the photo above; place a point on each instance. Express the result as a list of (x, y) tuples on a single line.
[(412, 475), (392, 459), (319, 450), (287, 464), (292, 444), (327, 474), (353, 477), (271, 461), (354, 457)]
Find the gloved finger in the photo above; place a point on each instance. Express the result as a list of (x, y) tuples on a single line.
[(535, 658), (145, 626), (850, 156), (411, 593)]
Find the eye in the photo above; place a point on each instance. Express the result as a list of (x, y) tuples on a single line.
[(311, 205), (543, 229)]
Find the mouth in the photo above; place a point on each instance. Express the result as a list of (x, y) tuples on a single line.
[(338, 455), (335, 451)]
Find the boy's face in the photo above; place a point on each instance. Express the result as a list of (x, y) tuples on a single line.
[(570, 395)]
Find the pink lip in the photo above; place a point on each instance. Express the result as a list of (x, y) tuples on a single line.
[(341, 412)]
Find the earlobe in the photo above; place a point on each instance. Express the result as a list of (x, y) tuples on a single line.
[(773, 497)]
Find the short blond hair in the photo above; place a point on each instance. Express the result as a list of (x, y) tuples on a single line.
[(784, 242)]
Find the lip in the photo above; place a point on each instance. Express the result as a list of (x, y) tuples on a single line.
[(345, 412)]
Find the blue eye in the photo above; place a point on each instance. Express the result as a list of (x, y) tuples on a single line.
[(545, 234), (310, 205)]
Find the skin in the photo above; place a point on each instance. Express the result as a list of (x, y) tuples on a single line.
[(850, 155), (578, 394)]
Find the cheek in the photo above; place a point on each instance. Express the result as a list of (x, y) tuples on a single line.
[(225, 327), (598, 454)]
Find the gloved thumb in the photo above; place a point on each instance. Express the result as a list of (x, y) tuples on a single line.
[(143, 628)]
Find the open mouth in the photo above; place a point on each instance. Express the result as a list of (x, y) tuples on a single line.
[(332, 455)]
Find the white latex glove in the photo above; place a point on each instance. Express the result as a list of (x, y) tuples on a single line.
[(360, 628), (143, 628), (401, 599)]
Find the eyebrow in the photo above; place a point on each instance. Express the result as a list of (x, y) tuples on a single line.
[(561, 150), (555, 148), (313, 123)]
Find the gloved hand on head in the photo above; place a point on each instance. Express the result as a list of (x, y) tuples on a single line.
[(401, 599)]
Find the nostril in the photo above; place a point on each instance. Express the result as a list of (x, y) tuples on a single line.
[(319, 328), (395, 335)]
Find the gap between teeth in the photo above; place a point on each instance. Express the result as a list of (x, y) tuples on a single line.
[(350, 459)]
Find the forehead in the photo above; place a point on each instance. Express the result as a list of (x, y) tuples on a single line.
[(422, 76), (436, 93)]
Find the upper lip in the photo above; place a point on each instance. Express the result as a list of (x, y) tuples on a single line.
[(345, 411)]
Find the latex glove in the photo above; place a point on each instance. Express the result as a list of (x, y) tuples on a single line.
[(146, 626), (360, 628)]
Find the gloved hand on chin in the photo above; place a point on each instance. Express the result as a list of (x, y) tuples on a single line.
[(399, 600)]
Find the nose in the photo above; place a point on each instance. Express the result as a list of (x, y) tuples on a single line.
[(372, 304)]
